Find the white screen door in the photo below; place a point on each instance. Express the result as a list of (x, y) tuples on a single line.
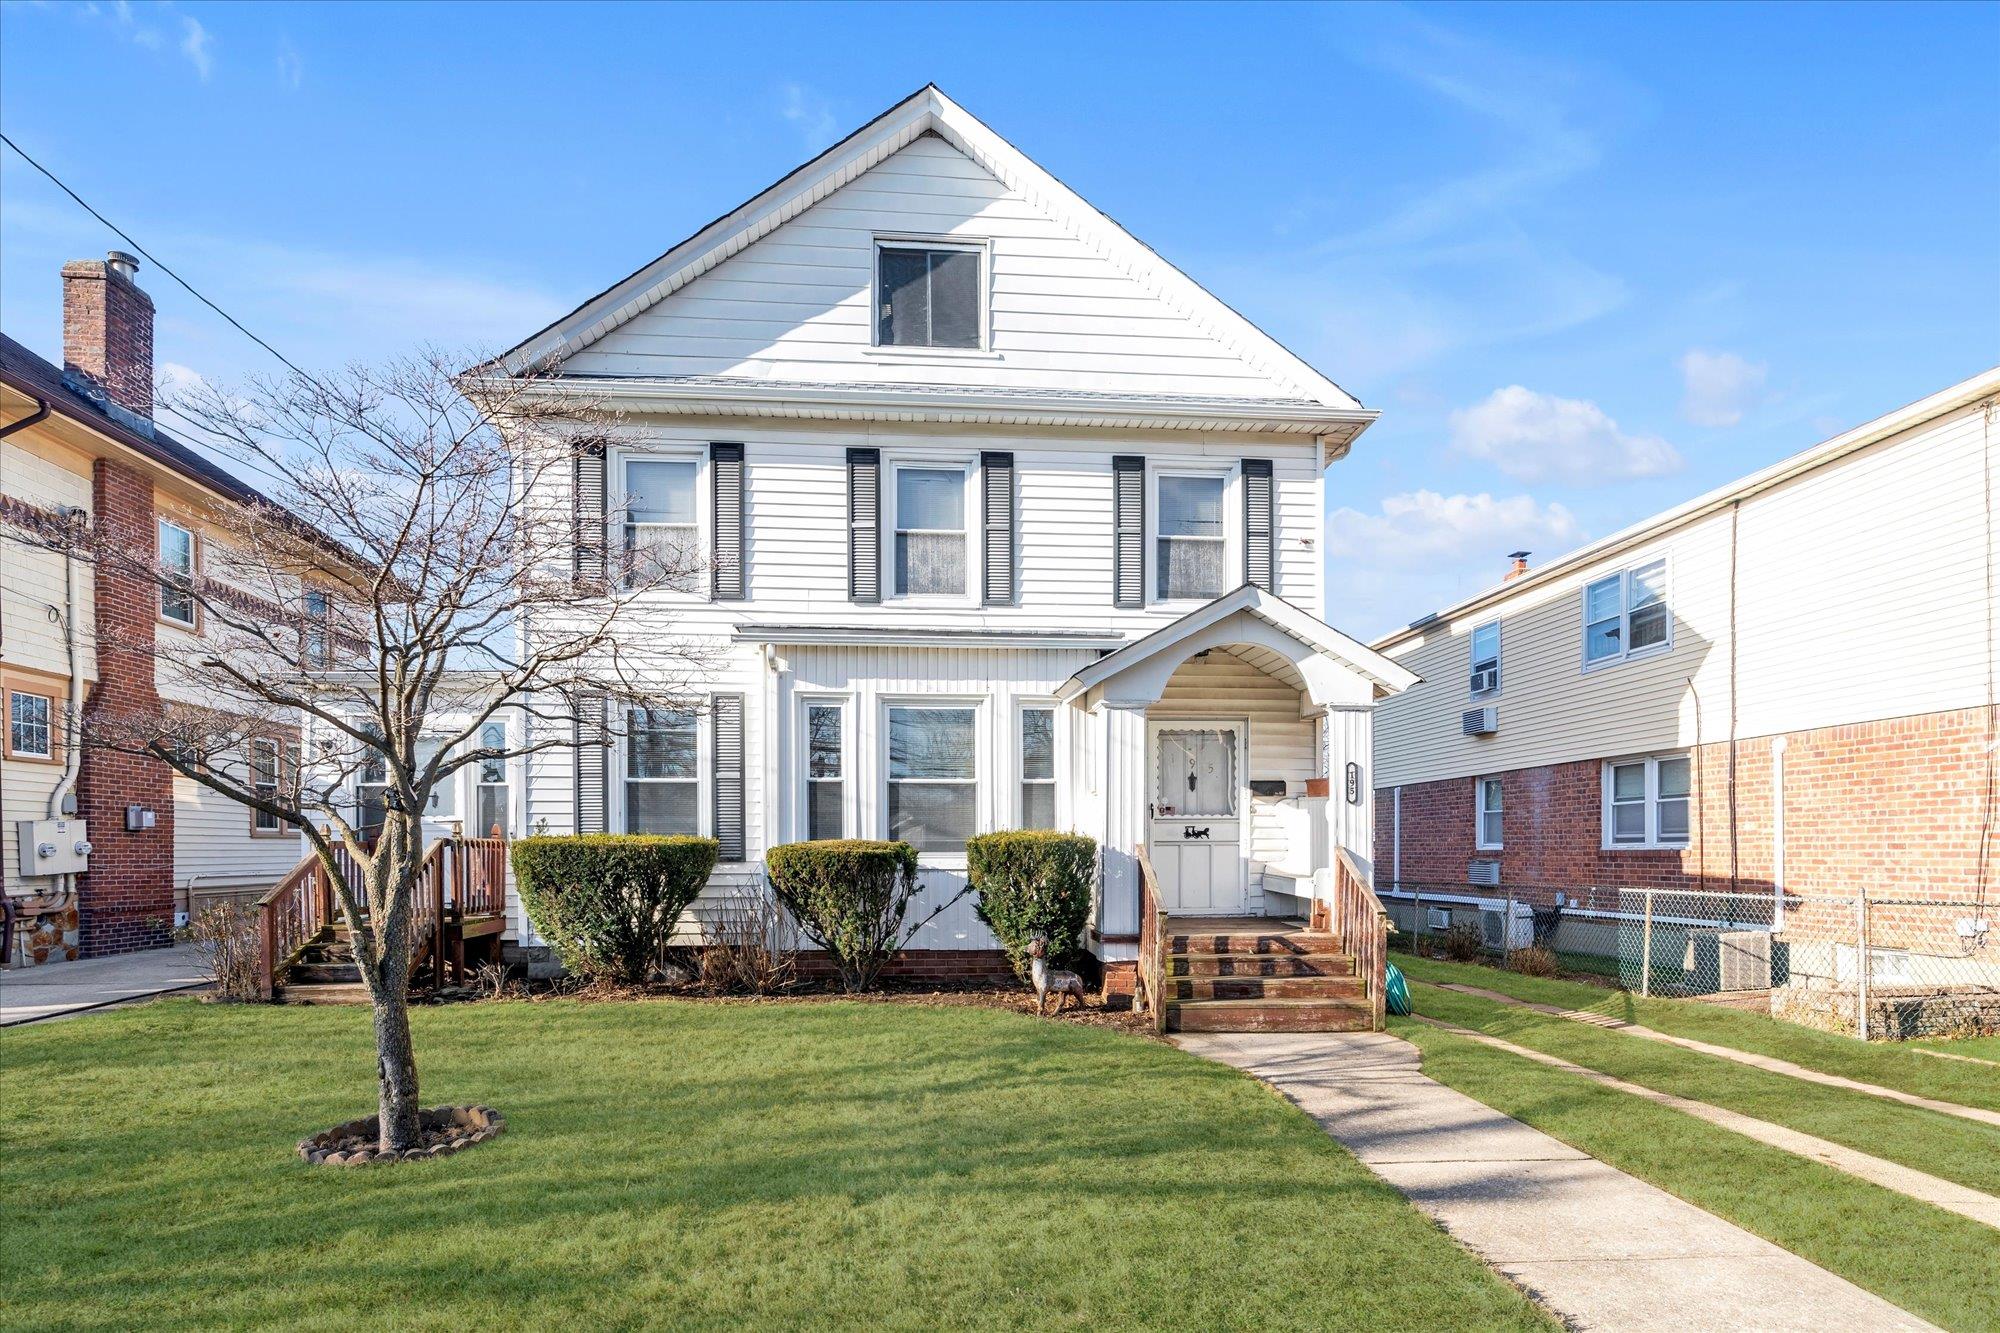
[(1196, 792)]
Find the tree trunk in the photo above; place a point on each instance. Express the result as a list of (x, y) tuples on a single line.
[(396, 1063)]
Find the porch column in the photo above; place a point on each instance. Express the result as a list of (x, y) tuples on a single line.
[(1124, 815), (1350, 739)]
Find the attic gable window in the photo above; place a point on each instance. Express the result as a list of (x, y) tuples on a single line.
[(928, 295)]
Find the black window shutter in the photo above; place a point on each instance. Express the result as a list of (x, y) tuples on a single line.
[(1259, 555), (1128, 521), (726, 718), (592, 803), (996, 471), (587, 516), (864, 528), (725, 470)]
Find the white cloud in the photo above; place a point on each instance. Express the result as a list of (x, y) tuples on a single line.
[(195, 42), (812, 113), (1535, 436), (1426, 530), (291, 67), (1719, 387)]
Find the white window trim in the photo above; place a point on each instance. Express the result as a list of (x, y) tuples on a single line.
[(849, 777), (1653, 842), (1624, 577), (967, 465), (1232, 528), (1479, 812), (49, 701), (1017, 765), (899, 240), (193, 622), (662, 451), (617, 814), (982, 739), (1472, 660), (507, 780)]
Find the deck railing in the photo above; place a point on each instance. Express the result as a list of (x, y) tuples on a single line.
[(1356, 917), (1152, 981), (458, 878)]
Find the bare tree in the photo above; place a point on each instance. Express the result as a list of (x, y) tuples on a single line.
[(418, 568)]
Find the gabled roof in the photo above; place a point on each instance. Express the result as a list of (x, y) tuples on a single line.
[(927, 111), (1387, 675)]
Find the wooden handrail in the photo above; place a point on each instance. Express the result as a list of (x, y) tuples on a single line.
[(1152, 943), (1360, 922)]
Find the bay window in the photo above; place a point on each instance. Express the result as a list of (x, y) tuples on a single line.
[(1646, 801), (933, 787), (661, 752)]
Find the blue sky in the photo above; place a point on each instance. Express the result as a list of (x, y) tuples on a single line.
[(1587, 261)]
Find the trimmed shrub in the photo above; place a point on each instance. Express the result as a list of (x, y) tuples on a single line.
[(607, 903), (849, 897), (1534, 961), (1030, 882)]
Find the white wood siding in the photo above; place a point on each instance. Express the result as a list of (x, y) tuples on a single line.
[(798, 304), (1860, 594), (213, 847)]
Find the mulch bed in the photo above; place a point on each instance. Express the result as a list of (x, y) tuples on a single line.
[(445, 1130)]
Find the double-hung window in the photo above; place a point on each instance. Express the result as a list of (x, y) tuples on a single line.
[(928, 295), (177, 571), (1038, 768), (1191, 540), (826, 771), (30, 729), (662, 530), (316, 634), (1487, 812), (1626, 614), (1486, 659), (1646, 801), (661, 751), (489, 788), (933, 797), (264, 782), (930, 532)]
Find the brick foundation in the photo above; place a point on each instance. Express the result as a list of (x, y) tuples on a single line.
[(939, 965), (126, 901)]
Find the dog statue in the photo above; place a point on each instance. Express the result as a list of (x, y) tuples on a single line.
[(1050, 980)]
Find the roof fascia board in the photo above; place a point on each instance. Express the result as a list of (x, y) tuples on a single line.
[(1958, 396), (834, 636)]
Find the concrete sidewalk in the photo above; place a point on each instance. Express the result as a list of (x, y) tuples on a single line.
[(1603, 1249), (55, 990)]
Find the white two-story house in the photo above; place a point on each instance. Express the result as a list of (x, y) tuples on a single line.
[(1012, 524)]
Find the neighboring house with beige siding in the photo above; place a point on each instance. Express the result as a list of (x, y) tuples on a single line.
[(78, 445), (1787, 683)]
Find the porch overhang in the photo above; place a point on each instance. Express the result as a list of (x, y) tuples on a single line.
[(1334, 667)]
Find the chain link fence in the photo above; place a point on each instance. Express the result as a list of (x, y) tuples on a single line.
[(1876, 968)]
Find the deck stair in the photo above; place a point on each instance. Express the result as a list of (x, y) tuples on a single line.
[(325, 972), (1253, 974)]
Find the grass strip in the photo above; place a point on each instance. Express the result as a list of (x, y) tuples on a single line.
[(1957, 1150), (697, 1166), (1885, 1064), (1927, 1261)]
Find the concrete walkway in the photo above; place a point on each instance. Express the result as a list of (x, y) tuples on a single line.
[(57, 990), (1768, 1063), (1921, 1186), (1603, 1249)]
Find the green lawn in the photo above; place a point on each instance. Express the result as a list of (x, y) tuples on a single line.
[(686, 1165), (1979, 1048), (1931, 1262), (1955, 1149), (1886, 1064)]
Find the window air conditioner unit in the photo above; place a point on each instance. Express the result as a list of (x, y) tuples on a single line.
[(1485, 678), (1439, 918), (1502, 935), (1480, 721), (1483, 872)]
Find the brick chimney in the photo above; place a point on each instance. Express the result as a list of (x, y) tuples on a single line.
[(108, 329), (1518, 568)]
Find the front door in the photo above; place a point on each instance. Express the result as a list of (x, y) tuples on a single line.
[(1196, 836)]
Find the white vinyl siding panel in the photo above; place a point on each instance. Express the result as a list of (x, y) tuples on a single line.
[(1861, 595), (212, 844), (798, 304)]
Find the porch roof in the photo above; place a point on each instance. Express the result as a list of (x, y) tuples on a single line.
[(1299, 636)]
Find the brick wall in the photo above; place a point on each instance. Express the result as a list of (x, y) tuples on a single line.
[(126, 901), (924, 965), (1895, 808)]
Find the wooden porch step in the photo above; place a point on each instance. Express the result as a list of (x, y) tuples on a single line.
[(1259, 965), (327, 973), (324, 993), (1347, 987), (1264, 1015), (1183, 941)]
